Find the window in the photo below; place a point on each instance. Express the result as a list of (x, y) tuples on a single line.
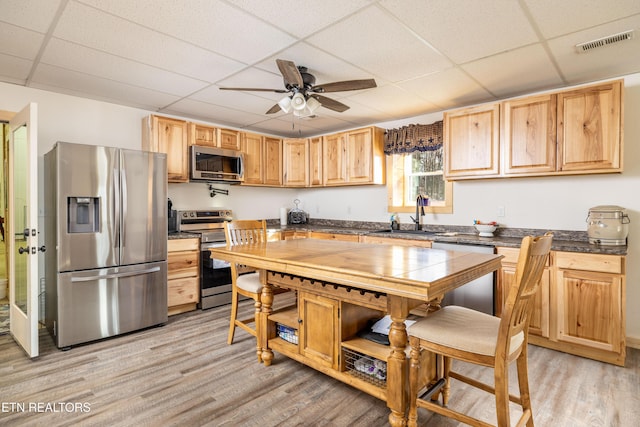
[(416, 173), (415, 166)]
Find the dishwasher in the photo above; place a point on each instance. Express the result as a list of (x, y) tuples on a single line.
[(477, 294)]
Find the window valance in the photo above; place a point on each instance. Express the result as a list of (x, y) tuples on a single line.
[(413, 138)]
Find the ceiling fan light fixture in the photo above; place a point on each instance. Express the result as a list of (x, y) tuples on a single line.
[(313, 104), (298, 102), (285, 104)]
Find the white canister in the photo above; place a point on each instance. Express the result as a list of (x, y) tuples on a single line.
[(283, 216), (608, 225)]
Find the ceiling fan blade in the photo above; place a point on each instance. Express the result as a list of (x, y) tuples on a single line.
[(274, 109), (290, 73), (331, 104), (345, 85), (255, 89)]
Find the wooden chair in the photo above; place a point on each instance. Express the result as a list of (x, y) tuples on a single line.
[(245, 232), (460, 333)]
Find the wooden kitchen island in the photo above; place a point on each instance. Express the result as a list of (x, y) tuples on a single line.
[(341, 287)]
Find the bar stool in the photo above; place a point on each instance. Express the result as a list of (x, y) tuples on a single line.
[(460, 333)]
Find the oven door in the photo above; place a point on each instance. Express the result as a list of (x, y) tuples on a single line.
[(215, 278)]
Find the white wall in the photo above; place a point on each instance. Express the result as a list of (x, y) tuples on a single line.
[(545, 203)]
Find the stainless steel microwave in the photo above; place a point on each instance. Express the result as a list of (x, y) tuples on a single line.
[(216, 165)]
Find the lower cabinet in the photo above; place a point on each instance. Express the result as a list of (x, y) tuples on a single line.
[(580, 306), (183, 274)]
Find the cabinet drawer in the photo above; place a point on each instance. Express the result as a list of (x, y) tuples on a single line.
[(174, 245), (590, 262), (182, 291), (182, 264)]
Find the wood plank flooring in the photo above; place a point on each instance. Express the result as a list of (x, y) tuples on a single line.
[(184, 374)]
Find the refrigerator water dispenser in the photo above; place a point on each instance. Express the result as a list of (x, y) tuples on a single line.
[(83, 214)]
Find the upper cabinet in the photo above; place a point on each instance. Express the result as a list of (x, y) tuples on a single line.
[(169, 136), (229, 139), (576, 131), (471, 144), (354, 157), (315, 161), (295, 155), (262, 159), (590, 128), (203, 135)]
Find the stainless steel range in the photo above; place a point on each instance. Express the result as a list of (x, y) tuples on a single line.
[(215, 275)]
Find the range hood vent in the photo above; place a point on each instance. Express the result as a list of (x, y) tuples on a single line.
[(604, 41)]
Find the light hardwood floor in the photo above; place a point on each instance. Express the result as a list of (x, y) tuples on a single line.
[(184, 374)]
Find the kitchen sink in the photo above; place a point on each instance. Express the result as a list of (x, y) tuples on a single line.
[(418, 232)]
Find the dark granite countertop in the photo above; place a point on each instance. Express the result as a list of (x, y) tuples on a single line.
[(567, 241)]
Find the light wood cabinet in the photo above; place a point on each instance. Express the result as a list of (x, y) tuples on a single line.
[(579, 308), (183, 275), (590, 128), (529, 135), (294, 234), (203, 135), (588, 300), (576, 131), (506, 275), (319, 335), (295, 153), (334, 236), (471, 142), (354, 157), (169, 136), (272, 161), (395, 241), (229, 139), (315, 161), (262, 160)]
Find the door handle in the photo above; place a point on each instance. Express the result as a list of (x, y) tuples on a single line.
[(22, 250), (42, 248)]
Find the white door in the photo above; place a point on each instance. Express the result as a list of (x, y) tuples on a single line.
[(22, 229)]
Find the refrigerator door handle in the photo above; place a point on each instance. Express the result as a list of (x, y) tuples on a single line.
[(123, 222), (115, 191), (115, 275)]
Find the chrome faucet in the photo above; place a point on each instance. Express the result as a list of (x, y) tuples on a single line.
[(419, 211)]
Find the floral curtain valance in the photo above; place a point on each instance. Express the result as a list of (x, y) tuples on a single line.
[(413, 138)]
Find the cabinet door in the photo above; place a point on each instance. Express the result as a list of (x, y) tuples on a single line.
[(202, 135), (334, 170), (272, 161), (589, 309), (315, 161), (252, 149), (471, 142), (529, 135), (334, 236), (169, 136), (360, 156), (589, 128), (229, 139), (319, 338), (296, 162)]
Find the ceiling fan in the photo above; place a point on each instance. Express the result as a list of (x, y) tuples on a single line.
[(304, 96)]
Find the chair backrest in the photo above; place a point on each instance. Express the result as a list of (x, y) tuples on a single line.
[(534, 252), (243, 232)]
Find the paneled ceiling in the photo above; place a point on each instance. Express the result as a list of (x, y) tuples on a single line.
[(172, 56)]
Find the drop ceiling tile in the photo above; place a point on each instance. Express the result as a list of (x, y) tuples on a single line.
[(34, 15), (93, 28), (393, 101), (244, 101), (89, 61), (555, 18), (210, 24), (14, 70), (377, 43), (604, 62), (447, 89), (465, 30), (60, 80), (515, 72), (299, 128), (212, 113), (19, 42), (310, 15)]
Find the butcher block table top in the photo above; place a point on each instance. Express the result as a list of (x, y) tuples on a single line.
[(410, 272)]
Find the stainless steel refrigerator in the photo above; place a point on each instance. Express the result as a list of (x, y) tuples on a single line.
[(106, 228)]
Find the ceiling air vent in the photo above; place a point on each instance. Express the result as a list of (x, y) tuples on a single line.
[(604, 41)]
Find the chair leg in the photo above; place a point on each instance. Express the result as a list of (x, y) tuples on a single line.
[(523, 384), (414, 374), (234, 315), (446, 389), (258, 306), (501, 376)]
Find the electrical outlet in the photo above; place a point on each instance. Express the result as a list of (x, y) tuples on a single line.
[(500, 211)]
